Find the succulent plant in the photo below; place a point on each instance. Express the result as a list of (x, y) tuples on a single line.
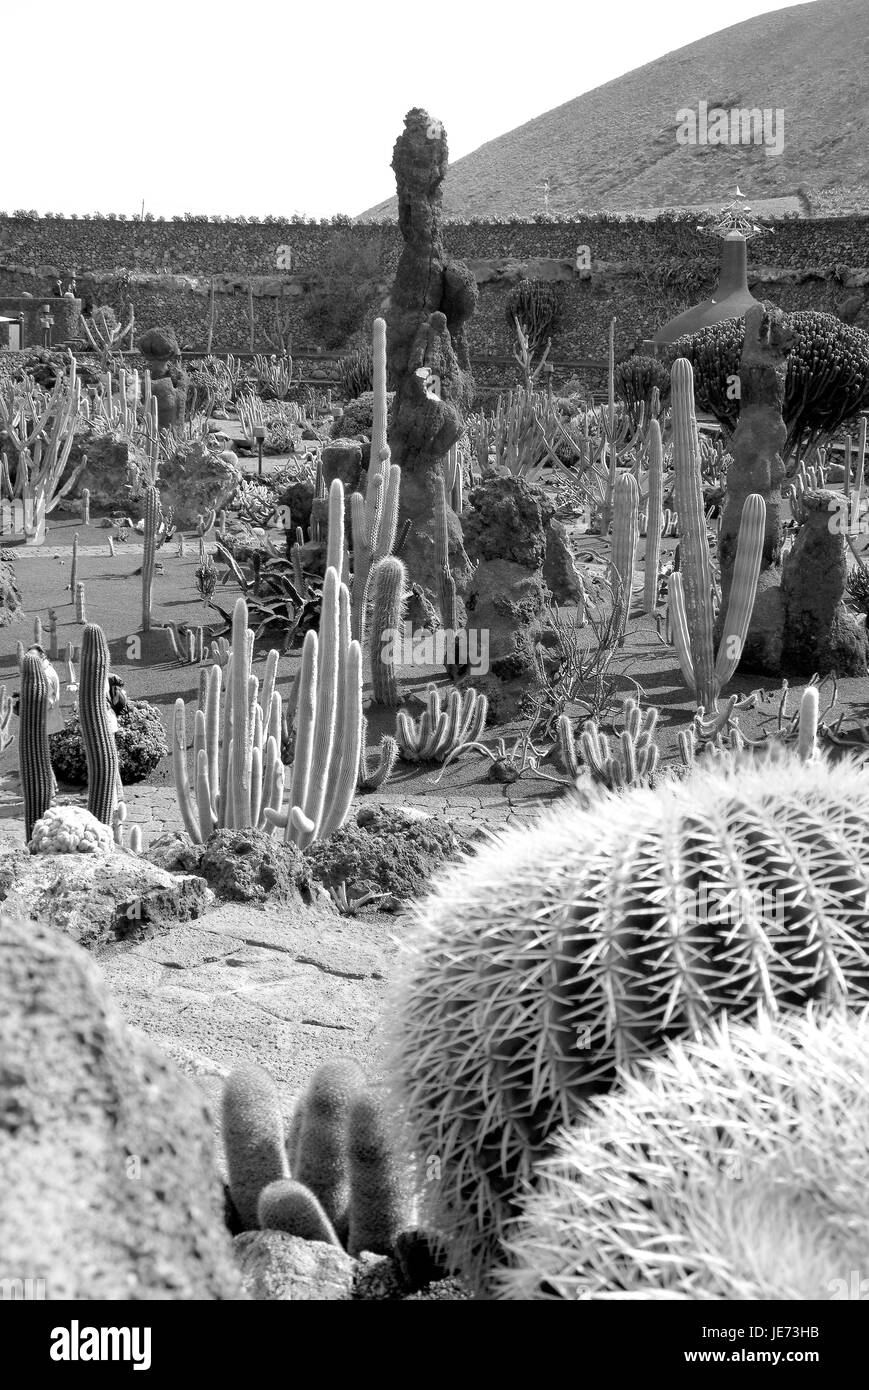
[(733, 1168), (253, 1138), (567, 948), (289, 1206)]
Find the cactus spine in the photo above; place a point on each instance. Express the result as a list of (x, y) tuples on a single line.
[(99, 744), (654, 520), (34, 761)]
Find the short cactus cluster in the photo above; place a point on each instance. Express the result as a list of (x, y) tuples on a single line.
[(331, 1176)]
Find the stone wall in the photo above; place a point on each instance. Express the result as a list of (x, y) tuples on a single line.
[(641, 271)]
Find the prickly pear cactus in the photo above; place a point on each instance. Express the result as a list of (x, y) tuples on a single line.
[(586, 941)]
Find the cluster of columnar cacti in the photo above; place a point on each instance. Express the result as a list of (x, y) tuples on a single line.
[(42, 437), (734, 1168), (442, 729), (34, 762), (636, 754), (237, 769), (97, 734), (374, 524), (690, 607), (605, 932), (331, 1176)]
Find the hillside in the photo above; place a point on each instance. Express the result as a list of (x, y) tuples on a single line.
[(615, 148)]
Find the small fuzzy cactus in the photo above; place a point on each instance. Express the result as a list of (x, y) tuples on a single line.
[(570, 947), (733, 1168), (253, 1138), (321, 1159), (290, 1206), (376, 1207)]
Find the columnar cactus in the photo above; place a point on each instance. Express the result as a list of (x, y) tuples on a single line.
[(253, 1138), (374, 522), (98, 738), (34, 762), (289, 1206), (379, 412), (73, 572), (568, 948), (377, 1207), (375, 768), (320, 1159), (152, 521), (654, 520), (623, 558), (733, 1168), (210, 803), (388, 586)]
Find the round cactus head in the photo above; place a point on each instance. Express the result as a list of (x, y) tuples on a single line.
[(734, 1168), (584, 942)]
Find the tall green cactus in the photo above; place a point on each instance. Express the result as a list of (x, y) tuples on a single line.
[(608, 931), (388, 586), (654, 519), (34, 762), (152, 521), (626, 533), (690, 604), (378, 423), (374, 524), (98, 738)]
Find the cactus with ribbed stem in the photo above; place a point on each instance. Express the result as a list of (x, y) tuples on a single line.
[(289, 1206), (81, 615), (441, 731), (320, 1159), (52, 634), (378, 422), (209, 804), (375, 768), (34, 762), (152, 521), (635, 759), (328, 725), (374, 526), (100, 748), (623, 556), (377, 1205), (73, 571), (388, 589), (732, 1169), (692, 646), (253, 1138), (654, 521), (6, 709), (607, 932), (448, 603), (86, 506)]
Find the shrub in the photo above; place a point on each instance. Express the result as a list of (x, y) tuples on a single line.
[(356, 372), (636, 379), (358, 417), (140, 737)]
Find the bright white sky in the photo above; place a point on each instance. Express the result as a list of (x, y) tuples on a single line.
[(265, 107)]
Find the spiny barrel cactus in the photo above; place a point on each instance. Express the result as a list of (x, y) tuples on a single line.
[(734, 1168), (586, 940)]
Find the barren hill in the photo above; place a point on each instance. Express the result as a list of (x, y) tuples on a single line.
[(616, 147)]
